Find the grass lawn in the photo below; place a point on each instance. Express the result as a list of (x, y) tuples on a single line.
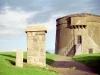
[(50, 58), (92, 60), (7, 65)]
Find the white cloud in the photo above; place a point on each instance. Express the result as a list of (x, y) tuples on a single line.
[(12, 22)]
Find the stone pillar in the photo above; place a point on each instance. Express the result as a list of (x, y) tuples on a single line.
[(19, 58), (36, 45)]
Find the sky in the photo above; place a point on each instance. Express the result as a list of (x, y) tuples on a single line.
[(16, 15)]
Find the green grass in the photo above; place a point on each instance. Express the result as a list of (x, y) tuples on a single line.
[(50, 58), (91, 60), (7, 65)]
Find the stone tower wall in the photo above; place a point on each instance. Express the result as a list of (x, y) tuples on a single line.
[(68, 29)]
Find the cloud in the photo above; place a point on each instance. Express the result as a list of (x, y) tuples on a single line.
[(13, 22), (14, 4), (40, 17), (26, 5), (96, 5), (46, 8)]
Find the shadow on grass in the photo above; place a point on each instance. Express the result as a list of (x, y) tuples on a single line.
[(91, 61), (25, 60), (12, 62), (8, 55), (49, 61), (11, 56)]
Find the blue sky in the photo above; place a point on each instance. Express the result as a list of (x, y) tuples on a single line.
[(15, 15)]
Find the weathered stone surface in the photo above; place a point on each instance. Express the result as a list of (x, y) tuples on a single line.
[(35, 28), (19, 58), (78, 21), (36, 45), (72, 29)]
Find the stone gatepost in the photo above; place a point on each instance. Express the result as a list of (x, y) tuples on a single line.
[(19, 58), (36, 45)]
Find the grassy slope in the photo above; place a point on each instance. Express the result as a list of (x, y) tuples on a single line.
[(7, 66), (92, 60), (50, 58)]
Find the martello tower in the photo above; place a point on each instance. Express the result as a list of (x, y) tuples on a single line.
[(78, 34)]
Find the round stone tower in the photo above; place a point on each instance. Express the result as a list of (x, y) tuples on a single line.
[(78, 34)]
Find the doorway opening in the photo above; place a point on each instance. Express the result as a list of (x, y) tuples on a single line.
[(79, 39)]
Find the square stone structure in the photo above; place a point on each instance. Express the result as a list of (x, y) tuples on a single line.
[(19, 58), (78, 34), (36, 37)]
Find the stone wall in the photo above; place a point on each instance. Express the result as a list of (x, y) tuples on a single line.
[(19, 58), (36, 45)]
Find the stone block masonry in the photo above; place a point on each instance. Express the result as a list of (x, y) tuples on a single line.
[(78, 34), (19, 58), (36, 45)]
